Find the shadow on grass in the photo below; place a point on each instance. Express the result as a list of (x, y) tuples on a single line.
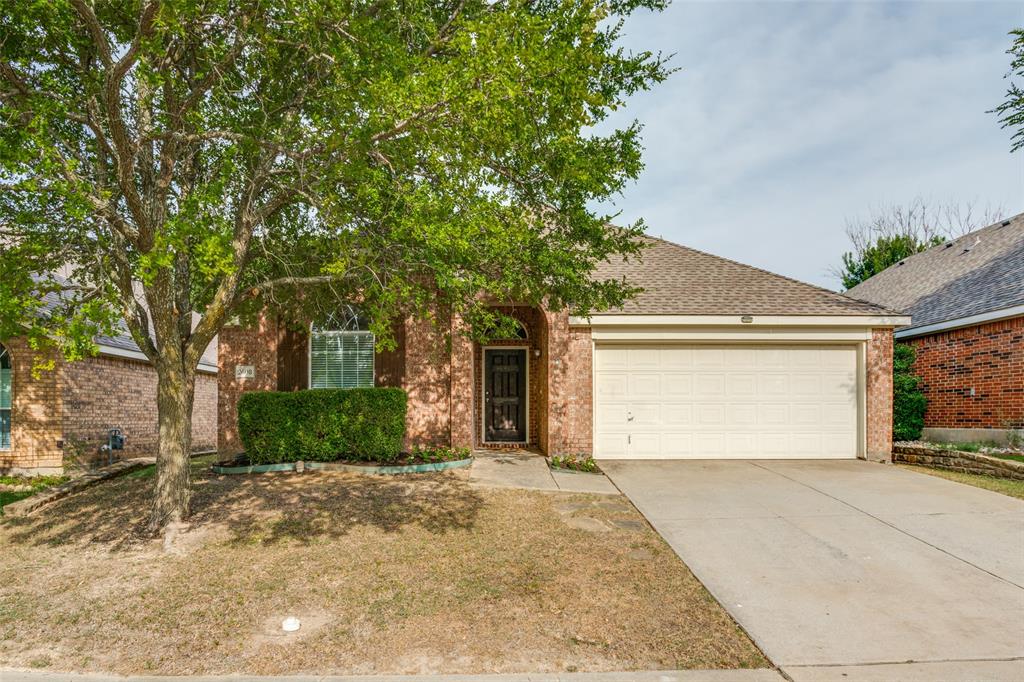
[(264, 508)]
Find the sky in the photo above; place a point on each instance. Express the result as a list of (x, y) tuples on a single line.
[(785, 120)]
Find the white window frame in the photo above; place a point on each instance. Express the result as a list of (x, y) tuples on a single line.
[(309, 354)]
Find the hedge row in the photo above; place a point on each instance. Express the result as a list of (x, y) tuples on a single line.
[(322, 425)]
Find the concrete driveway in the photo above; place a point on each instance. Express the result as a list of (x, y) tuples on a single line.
[(833, 563)]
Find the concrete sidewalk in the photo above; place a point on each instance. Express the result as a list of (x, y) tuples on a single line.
[(530, 471), (760, 675)]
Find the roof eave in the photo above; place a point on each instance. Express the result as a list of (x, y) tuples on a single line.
[(114, 351), (960, 322)]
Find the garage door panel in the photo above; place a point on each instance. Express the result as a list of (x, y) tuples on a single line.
[(674, 415), (612, 386), (611, 358), (742, 385), (677, 385), (741, 414), (702, 401), (710, 384), (645, 385)]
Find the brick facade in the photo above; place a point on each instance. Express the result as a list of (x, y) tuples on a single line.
[(36, 408), (60, 416), (442, 374), (973, 377), (879, 395)]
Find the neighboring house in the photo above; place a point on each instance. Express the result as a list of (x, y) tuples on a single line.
[(56, 418), (713, 360), (966, 302)]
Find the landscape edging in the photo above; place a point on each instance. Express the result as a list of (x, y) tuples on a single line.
[(957, 460)]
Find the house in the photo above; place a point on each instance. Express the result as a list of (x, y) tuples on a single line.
[(714, 359), (59, 417), (966, 300)]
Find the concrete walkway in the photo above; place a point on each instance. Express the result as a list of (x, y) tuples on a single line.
[(762, 675), (848, 563), (528, 470)]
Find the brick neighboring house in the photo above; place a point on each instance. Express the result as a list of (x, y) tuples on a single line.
[(62, 416), (713, 359), (966, 301)]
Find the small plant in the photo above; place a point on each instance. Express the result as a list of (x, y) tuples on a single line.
[(908, 402), (440, 454), (577, 462)]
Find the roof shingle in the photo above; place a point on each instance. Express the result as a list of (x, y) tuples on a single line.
[(678, 280), (977, 273)]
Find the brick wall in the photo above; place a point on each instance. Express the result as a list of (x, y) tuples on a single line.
[(987, 358), (462, 414), (427, 381), (237, 345), (879, 395), (61, 416), (577, 434), (35, 413), (104, 392), (570, 389)]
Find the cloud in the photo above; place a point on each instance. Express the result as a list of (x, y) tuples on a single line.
[(787, 119)]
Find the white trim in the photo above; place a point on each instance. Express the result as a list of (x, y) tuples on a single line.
[(862, 400), (970, 320), (114, 351), (736, 320), (746, 334), (309, 352), (483, 396)]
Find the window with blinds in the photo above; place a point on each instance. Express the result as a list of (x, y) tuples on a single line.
[(5, 399), (341, 352)]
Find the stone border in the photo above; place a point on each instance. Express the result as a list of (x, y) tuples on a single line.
[(391, 469), (253, 468), (341, 466), (957, 460), (30, 504)]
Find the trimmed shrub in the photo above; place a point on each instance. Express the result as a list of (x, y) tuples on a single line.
[(322, 425), (908, 402)]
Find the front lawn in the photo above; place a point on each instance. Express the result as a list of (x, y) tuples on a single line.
[(388, 575), (1006, 486)]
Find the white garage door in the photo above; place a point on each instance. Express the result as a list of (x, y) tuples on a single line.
[(699, 402)]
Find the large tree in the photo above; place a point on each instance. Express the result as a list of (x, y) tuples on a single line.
[(1011, 111), (176, 164), (891, 233)]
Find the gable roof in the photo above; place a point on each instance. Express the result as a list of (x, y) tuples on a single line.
[(678, 280), (980, 272)]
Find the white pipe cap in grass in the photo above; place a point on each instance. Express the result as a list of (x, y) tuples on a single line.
[(290, 624)]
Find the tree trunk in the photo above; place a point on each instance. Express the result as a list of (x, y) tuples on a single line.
[(175, 393)]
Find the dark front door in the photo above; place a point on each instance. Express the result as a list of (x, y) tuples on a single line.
[(505, 394)]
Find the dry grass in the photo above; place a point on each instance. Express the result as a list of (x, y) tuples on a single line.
[(1006, 486), (389, 575)]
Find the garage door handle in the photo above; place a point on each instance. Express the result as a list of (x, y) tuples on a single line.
[(629, 417)]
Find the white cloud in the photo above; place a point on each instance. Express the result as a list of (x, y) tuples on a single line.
[(786, 119)]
